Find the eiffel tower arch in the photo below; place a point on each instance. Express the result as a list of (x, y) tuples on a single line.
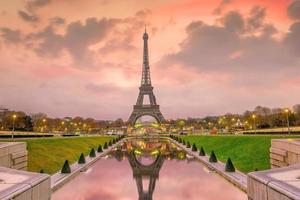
[(146, 90)]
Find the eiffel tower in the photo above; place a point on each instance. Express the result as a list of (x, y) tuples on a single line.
[(146, 90)]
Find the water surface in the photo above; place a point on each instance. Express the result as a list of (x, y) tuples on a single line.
[(145, 170)]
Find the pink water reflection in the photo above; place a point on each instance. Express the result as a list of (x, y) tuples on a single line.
[(113, 180)]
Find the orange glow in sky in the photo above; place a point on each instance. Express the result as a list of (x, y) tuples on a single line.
[(83, 58)]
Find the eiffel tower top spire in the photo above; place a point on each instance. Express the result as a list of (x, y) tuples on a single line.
[(146, 80)]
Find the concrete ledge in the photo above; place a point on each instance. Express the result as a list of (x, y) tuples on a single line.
[(13, 155), (284, 152), (21, 185), (58, 179), (276, 184), (237, 178)]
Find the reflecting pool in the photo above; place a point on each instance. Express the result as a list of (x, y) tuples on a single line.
[(148, 169)]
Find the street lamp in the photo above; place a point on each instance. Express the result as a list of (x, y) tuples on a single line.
[(44, 127), (68, 124), (246, 124), (254, 117), (13, 129), (287, 111), (84, 128), (62, 125)]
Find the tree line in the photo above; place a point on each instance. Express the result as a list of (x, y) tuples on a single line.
[(261, 117), (40, 122)]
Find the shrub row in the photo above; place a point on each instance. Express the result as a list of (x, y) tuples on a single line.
[(66, 167), (229, 167)]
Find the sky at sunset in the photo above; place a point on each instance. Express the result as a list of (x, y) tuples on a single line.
[(207, 57)]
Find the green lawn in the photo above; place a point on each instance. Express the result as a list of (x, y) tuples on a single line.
[(50, 154), (247, 152)]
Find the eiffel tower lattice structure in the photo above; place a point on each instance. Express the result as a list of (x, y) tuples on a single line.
[(141, 172), (146, 90)]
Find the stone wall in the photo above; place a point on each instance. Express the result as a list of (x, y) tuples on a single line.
[(15, 182), (284, 152), (22, 185), (275, 184), (282, 182), (13, 155)]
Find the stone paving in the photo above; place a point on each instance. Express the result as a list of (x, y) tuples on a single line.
[(276, 184), (21, 185)]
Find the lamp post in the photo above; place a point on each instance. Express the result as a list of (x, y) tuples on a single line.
[(254, 120), (13, 129), (287, 111), (220, 124), (246, 124), (84, 128), (233, 125), (62, 126), (44, 127), (68, 124)]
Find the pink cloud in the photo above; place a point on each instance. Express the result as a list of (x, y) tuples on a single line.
[(90, 62)]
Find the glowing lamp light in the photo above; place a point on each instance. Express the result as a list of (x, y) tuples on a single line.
[(286, 110), (137, 152), (154, 153)]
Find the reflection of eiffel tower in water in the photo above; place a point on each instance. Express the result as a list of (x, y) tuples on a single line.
[(150, 172)]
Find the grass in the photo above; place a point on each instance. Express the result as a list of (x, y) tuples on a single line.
[(248, 153), (50, 154)]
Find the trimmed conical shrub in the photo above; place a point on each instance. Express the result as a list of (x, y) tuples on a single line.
[(201, 152), (81, 159), (66, 168), (42, 171), (188, 145), (110, 143), (213, 157), (105, 145), (229, 166), (92, 153), (194, 148), (183, 142), (99, 150)]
